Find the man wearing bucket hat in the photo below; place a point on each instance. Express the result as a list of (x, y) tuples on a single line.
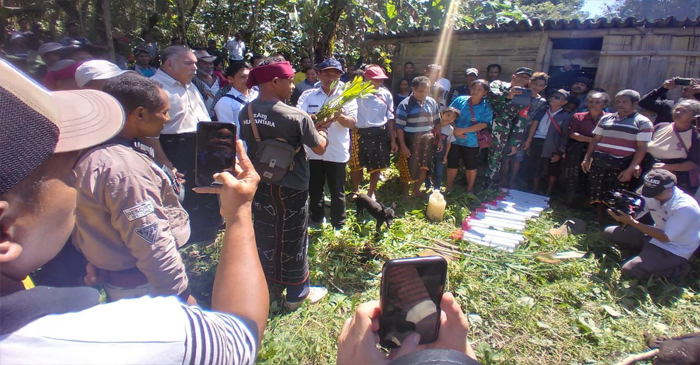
[(666, 246), (37, 201), (371, 144), (94, 73)]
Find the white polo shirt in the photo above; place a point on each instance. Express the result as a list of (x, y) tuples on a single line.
[(235, 49), (375, 110), (186, 105), (679, 217), (338, 149)]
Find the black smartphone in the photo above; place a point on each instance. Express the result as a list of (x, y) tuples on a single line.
[(411, 291), (682, 81), (216, 150), (575, 67), (524, 98)]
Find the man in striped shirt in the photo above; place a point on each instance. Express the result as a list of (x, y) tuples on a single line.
[(417, 122), (618, 147)]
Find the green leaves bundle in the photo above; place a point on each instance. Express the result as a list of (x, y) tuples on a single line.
[(357, 89)]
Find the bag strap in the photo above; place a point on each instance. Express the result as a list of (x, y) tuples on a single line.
[(554, 122), (236, 98), (678, 135), (471, 111), (252, 124)]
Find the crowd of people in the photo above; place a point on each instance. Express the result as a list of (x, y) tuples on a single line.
[(112, 169)]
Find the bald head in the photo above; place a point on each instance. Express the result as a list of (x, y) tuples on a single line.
[(180, 63)]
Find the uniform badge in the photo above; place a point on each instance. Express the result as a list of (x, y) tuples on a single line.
[(139, 210), (148, 232)]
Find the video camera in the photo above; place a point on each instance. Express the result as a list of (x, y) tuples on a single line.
[(624, 201)]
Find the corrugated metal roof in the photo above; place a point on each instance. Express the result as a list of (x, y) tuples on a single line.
[(537, 24)]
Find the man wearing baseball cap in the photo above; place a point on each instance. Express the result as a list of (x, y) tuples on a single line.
[(371, 144), (37, 203), (143, 63), (509, 120), (579, 89), (329, 167), (470, 75), (94, 73), (666, 246)]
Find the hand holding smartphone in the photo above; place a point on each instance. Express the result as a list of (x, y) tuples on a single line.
[(216, 151), (524, 98), (411, 291)]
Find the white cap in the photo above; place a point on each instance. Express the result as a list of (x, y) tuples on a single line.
[(49, 47), (97, 70)]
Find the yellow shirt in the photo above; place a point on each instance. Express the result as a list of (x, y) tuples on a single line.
[(299, 77)]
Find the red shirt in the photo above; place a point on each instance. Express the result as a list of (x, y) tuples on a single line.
[(583, 124)]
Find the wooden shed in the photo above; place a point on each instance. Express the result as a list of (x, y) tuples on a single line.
[(616, 53)]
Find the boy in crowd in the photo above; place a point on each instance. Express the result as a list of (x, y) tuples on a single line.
[(447, 135), (417, 123), (547, 141)]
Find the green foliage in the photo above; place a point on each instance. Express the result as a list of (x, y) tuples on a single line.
[(654, 9), (521, 310), (553, 9)]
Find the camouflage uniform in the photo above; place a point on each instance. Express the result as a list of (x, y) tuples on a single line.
[(508, 128)]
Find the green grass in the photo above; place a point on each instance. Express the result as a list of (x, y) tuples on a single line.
[(522, 311)]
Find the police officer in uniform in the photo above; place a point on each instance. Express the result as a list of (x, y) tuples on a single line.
[(129, 221)]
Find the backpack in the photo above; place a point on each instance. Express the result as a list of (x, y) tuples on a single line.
[(273, 157)]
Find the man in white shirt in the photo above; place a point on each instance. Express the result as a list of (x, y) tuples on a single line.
[(45, 325), (331, 165), (667, 245), (236, 48), (178, 140)]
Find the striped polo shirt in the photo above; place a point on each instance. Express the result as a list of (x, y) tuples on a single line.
[(416, 117), (620, 136)]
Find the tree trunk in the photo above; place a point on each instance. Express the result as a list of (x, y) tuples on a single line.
[(254, 27), (108, 31), (183, 23), (325, 45)]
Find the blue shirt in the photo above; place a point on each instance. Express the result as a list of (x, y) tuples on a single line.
[(483, 114), (415, 117)]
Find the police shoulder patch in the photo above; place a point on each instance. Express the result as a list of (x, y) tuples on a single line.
[(148, 232), (139, 210)]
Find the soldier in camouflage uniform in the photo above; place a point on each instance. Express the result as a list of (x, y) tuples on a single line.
[(509, 120)]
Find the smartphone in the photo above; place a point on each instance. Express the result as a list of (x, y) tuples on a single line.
[(524, 98), (411, 291), (216, 151), (575, 67), (682, 81)]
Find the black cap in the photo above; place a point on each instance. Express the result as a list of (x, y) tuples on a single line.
[(584, 80), (523, 70), (657, 181)]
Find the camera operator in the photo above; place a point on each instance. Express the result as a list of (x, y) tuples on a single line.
[(657, 101), (667, 245)]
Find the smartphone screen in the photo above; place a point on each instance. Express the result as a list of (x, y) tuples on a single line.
[(411, 292), (216, 150), (524, 98)]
